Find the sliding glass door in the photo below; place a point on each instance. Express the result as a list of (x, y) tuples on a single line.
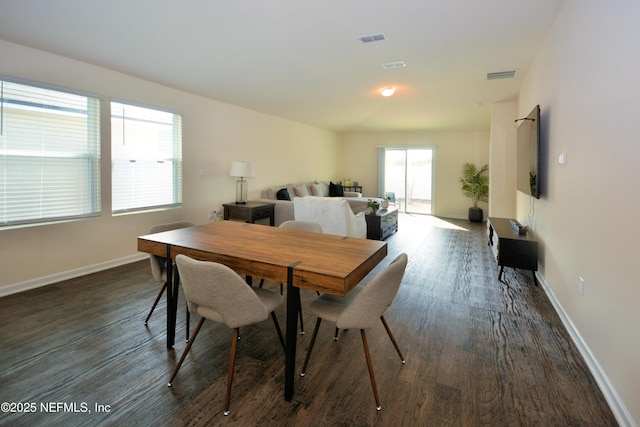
[(408, 175)]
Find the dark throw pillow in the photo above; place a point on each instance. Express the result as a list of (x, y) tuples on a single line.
[(335, 190), (283, 194)]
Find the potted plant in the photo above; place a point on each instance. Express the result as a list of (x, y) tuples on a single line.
[(385, 201), (374, 205), (475, 184)]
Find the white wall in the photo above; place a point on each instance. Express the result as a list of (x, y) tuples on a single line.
[(358, 161), (214, 135), (585, 79), (502, 165)]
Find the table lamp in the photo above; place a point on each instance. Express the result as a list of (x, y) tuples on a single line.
[(242, 170)]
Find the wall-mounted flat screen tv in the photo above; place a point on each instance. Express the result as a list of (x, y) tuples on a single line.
[(528, 158)]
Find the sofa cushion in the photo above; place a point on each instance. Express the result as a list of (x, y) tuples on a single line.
[(325, 188), (292, 190), (270, 193), (302, 190), (317, 189), (336, 190), (283, 194)]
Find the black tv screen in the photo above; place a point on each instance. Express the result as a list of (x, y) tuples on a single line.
[(528, 157)]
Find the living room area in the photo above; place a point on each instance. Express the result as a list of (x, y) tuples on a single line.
[(480, 350)]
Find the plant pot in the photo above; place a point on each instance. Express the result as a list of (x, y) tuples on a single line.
[(384, 204), (475, 214)]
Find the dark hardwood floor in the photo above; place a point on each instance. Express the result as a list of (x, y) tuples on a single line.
[(478, 352)]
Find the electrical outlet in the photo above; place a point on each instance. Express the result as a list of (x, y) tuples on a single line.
[(581, 286)]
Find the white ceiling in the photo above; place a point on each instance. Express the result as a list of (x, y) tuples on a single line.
[(302, 59)]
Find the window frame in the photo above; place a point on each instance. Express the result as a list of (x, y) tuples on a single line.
[(175, 159), (91, 205)]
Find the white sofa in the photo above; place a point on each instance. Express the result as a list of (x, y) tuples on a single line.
[(284, 208), (333, 214)]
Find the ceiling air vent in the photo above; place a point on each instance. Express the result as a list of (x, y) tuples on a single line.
[(396, 64), (502, 75), (373, 38)]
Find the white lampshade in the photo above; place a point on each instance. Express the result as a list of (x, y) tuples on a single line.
[(242, 169)]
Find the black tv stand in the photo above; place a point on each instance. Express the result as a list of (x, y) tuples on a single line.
[(510, 248)]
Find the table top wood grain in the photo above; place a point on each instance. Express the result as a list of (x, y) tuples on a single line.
[(323, 262)]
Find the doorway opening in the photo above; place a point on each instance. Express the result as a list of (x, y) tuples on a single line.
[(408, 178)]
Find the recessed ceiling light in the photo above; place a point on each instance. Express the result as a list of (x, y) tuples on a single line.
[(387, 91)]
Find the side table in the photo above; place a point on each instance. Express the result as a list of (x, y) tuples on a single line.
[(382, 224), (250, 212)]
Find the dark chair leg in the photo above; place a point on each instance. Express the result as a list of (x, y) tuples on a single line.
[(188, 321), (153, 307), (313, 341), (278, 330), (186, 350), (232, 363), (262, 284), (370, 366), (393, 340)]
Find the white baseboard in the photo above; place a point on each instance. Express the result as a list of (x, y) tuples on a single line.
[(70, 274), (608, 390)]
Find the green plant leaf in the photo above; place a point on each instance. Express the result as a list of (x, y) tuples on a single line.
[(475, 183)]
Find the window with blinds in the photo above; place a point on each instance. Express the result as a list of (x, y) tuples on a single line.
[(49, 155), (146, 155)]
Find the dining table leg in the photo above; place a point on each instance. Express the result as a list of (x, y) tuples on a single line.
[(293, 306), (171, 303)]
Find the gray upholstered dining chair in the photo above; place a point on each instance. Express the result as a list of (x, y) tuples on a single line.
[(216, 292), (158, 263), (361, 309), (312, 227)]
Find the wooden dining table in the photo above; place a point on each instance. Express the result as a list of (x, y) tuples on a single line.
[(319, 262)]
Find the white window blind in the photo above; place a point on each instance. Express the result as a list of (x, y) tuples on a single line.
[(49, 155), (146, 155)]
